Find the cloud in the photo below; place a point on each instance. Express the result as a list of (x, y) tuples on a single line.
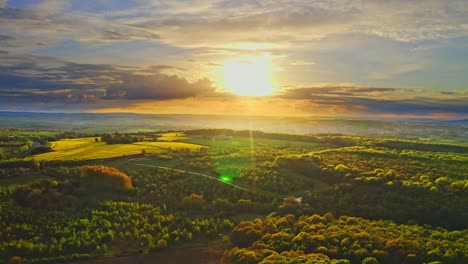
[(3, 3), (52, 22), (376, 101), (220, 24), (6, 39), (395, 70), (159, 87), (28, 78), (330, 91), (48, 8)]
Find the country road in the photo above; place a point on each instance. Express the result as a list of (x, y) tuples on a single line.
[(194, 173)]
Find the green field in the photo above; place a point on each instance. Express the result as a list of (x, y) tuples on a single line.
[(36, 133), (173, 136), (245, 142), (89, 149)]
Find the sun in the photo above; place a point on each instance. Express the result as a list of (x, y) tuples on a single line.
[(252, 76)]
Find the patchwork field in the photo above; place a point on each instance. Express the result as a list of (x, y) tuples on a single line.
[(88, 149), (173, 136)]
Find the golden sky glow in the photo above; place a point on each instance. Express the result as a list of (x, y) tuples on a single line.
[(290, 57), (252, 76)]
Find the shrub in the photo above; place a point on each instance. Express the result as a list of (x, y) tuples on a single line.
[(102, 177)]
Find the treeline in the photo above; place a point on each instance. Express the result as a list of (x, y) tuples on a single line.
[(325, 239), (420, 146), (9, 150), (337, 140), (329, 140), (118, 138)]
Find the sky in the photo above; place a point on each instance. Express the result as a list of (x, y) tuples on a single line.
[(372, 58)]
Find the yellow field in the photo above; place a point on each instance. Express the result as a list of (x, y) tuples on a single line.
[(173, 136), (87, 149)]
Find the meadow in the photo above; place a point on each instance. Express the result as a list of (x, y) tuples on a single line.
[(173, 136), (247, 142), (88, 149)]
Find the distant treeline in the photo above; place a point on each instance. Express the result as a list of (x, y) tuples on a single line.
[(335, 140), (117, 138), (331, 140), (411, 145)]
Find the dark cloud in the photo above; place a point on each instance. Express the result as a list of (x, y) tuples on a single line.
[(421, 106), (8, 81), (4, 38), (159, 87), (25, 79), (372, 89), (159, 68), (330, 91), (374, 100), (44, 73), (312, 92)]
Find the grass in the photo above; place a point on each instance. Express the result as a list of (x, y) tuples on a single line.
[(231, 167), (245, 142), (173, 136), (89, 149)]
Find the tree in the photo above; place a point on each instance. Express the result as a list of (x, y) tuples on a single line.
[(193, 202), (104, 178), (370, 260), (161, 244)]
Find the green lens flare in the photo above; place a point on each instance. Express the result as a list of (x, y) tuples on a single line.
[(225, 178)]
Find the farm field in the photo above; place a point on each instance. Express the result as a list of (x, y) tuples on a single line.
[(292, 194), (173, 136), (89, 149)]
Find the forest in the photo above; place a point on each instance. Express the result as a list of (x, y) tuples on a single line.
[(265, 197)]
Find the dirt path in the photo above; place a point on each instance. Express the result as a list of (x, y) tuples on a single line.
[(195, 173)]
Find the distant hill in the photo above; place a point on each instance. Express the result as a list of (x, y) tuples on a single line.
[(429, 129)]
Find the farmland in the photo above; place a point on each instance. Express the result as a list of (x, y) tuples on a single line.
[(173, 136), (297, 196), (89, 149)]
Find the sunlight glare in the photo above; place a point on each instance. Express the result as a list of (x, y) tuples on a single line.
[(250, 76)]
